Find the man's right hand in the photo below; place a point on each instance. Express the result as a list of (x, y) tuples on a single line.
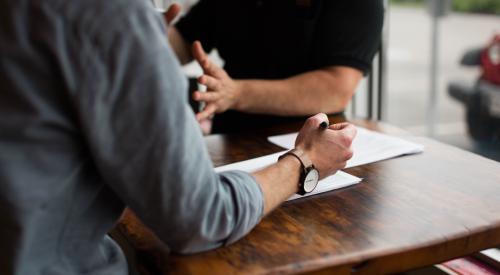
[(328, 149)]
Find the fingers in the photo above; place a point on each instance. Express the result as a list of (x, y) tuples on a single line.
[(346, 135), (348, 155), (211, 83), (207, 112), (206, 96), (342, 165), (339, 126), (172, 12), (201, 57), (316, 120), (198, 52), (350, 131)]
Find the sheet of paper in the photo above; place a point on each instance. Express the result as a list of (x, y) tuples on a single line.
[(339, 180), (368, 146)]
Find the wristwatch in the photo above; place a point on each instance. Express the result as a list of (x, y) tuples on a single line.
[(309, 176)]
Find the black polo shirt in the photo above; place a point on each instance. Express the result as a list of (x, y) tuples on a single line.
[(273, 39)]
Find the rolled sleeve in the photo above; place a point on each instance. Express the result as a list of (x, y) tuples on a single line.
[(251, 199)]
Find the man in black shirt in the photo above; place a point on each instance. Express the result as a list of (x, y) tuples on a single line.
[(283, 58)]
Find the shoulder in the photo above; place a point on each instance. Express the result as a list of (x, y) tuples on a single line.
[(363, 17), (95, 17), (112, 32), (105, 27), (373, 9)]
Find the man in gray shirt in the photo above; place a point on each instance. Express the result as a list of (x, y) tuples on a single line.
[(93, 118)]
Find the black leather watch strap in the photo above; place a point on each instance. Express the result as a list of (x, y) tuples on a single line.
[(301, 156)]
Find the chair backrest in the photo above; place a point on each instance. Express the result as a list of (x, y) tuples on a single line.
[(373, 94)]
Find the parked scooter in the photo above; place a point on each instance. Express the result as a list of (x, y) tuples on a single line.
[(481, 99)]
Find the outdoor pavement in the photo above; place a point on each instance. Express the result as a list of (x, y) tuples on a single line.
[(408, 72)]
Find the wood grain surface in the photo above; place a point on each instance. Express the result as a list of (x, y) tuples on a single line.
[(407, 212)]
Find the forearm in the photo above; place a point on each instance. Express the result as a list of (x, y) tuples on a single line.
[(278, 182), (324, 91)]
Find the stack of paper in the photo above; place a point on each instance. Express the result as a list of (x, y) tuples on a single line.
[(339, 180), (368, 146)]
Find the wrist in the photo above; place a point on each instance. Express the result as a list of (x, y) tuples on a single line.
[(239, 102), (308, 153), (290, 160), (309, 175), (292, 167), (304, 148)]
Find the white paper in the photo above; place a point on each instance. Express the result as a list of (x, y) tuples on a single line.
[(493, 253), (368, 146), (339, 180)]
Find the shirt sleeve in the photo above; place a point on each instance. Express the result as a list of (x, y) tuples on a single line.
[(199, 24), (348, 33), (146, 143)]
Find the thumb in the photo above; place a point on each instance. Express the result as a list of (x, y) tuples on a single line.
[(172, 12)]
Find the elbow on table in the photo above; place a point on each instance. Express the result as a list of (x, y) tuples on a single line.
[(215, 215), (187, 247), (192, 237)]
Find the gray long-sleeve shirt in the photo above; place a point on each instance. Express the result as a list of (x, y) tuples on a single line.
[(94, 117)]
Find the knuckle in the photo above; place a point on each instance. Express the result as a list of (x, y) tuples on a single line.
[(348, 154), (311, 120), (346, 140), (353, 129), (315, 119), (205, 63)]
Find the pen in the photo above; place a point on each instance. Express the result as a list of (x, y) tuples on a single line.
[(323, 125)]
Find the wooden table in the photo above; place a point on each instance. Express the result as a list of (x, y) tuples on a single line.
[(407, 212)]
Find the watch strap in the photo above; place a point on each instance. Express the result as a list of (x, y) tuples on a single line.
[(301, 156), (306, 167)]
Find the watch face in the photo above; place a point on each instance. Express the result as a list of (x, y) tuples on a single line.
[(311, 180)]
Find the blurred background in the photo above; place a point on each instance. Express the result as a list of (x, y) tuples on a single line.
[(424, 43), (468, 24)]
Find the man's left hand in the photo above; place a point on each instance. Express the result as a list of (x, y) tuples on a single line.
[(222, 91)]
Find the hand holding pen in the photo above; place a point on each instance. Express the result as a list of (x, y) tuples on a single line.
[(329, 149)]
